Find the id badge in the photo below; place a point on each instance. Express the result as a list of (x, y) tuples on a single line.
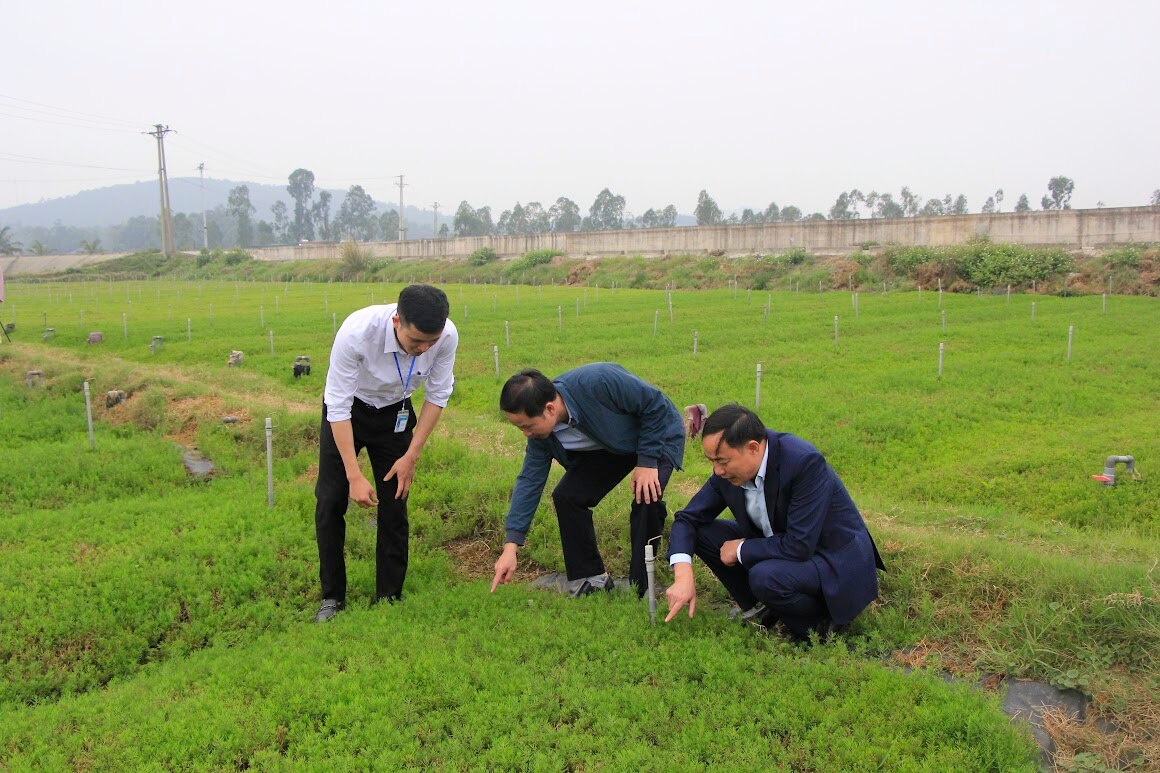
[(402, 419)]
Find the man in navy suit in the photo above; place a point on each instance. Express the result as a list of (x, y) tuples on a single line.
[(797, 552)]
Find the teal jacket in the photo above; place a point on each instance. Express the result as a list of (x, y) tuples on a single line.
[(620, 411)]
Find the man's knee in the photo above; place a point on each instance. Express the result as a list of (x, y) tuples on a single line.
[(771, 582), (567, 498)]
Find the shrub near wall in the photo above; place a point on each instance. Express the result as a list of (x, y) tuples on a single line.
[(980, 263)]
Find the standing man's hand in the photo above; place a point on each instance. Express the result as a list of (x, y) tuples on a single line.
[(505, 566), (646, 485), (682, 592), (362, 492), (404, 472)]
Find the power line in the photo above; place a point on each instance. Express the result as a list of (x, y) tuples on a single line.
[(17, 158), (71, 125), (207, 150), (84, 116), (69, 179)]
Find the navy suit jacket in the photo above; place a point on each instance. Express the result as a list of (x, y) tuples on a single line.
[(812, 517)]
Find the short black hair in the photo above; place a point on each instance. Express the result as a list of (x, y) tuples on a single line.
[(527, 392), (424, 307), (737, 424)]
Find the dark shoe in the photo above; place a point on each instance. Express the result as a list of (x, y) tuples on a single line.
[(828, 628), (329, 608), (754, 616), (590, 585), (389, 600)]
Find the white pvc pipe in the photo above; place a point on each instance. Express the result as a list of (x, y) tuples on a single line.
[(89, 414), (650, 570), (269, 461)]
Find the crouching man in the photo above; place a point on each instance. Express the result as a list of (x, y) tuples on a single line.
[(797, 550)]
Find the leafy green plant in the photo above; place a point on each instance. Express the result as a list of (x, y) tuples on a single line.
[(482, 256)]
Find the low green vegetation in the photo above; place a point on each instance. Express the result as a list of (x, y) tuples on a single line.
[(980, 265), (153, 619)]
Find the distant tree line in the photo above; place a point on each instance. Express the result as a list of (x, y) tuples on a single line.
[(308, 217)]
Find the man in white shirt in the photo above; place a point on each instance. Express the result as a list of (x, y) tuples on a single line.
[(381, 355)]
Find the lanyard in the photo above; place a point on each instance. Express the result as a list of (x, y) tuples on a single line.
[(410, 370)]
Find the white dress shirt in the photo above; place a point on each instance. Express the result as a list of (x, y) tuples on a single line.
[(363, 364)]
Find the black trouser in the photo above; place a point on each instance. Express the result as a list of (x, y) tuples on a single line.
[(374, 429), (589, 478), (790, 590)]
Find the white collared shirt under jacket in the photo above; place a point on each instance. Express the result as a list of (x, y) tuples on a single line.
[(362, 364)]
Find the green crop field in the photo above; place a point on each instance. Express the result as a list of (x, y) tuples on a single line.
[(150, 619)]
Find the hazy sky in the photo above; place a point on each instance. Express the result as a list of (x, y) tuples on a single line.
[(505, 101)]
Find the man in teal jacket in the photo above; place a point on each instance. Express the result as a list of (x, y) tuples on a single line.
[(601, 423)]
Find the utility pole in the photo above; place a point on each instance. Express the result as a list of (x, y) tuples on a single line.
[(204, 224), (435, 223), (402, 223), (163, 179)]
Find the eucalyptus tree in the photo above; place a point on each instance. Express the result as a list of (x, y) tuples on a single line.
[(707, 211), (564, 216), (242, 211), (1059, 190), (301, 190)]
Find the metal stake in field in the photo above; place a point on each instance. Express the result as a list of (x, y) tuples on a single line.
[(269, 461), (941, 346), (507, 334), (1070, 334), (1105, 303), (271, 343), (695, 336), (1008, 293), (495, 353), (89, 413), (855, 305), (757, 398), (835, 331), (943, 314), (940, 292), (650, 573)]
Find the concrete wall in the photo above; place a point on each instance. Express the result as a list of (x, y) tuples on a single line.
[(1074, 229), (42, 264)]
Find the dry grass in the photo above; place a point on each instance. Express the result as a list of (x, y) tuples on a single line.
[(474, 559)]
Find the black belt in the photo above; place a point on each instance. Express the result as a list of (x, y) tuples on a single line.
[(396, 407)]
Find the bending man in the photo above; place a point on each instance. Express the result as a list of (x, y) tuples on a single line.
[(381, 355), (601, 423), (798, 550)]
